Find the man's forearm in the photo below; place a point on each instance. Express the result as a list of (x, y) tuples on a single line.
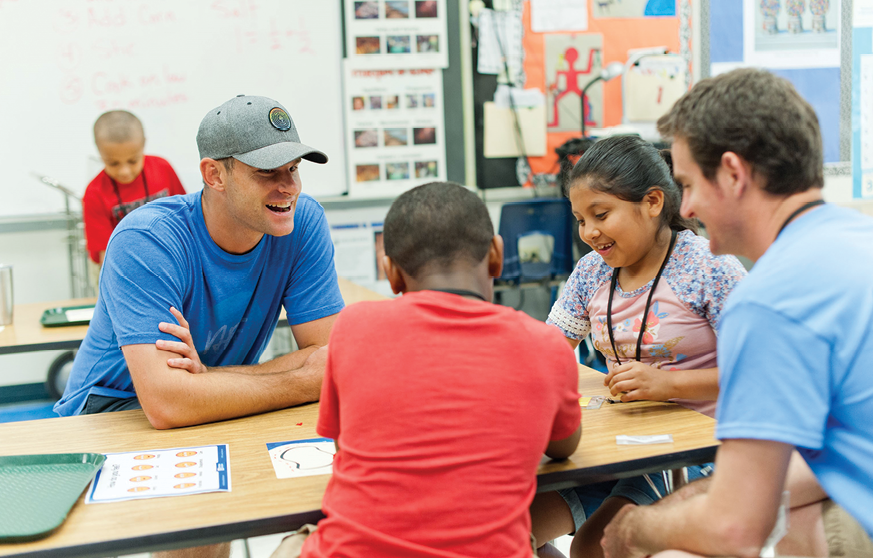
[(283, 363), (173, 397), (685, 524), (203, 398)]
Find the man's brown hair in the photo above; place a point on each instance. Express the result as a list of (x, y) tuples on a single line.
[(760, 117)]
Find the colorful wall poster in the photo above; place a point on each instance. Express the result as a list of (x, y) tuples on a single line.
[(302, 458), (790, 34), (395, 130), (633, 8), (385, 34), (157, 473), (572, 62)]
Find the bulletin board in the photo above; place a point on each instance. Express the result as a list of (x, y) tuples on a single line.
[(615, 32), (808, 43)]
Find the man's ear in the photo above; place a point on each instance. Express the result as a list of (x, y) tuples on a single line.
[(214, 174), (734, 175), (495, 256), (394, 275)]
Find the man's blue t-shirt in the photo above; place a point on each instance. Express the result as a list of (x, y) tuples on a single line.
[(795, 352), (161, 255)]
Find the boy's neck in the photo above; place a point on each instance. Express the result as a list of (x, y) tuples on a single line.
[(472, 280)]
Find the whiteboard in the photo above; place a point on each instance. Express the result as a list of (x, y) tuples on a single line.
[(169, 62)]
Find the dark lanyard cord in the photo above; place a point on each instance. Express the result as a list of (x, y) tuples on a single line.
[(797, 212), (461, 292), (145, 186), (614, 283)]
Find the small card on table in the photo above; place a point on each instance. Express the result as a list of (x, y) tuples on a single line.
[(302, 458)]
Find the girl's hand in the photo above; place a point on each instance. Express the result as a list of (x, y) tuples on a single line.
[(637, 381), (188, 358)]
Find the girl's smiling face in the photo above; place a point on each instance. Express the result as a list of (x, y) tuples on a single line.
[(622, 232)]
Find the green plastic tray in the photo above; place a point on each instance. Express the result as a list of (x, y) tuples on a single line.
[(57, 317), (38, 491)]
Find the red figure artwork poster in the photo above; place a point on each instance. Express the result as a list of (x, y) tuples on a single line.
[(572, 62)]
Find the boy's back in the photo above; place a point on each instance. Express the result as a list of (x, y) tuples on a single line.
[(442, 406)]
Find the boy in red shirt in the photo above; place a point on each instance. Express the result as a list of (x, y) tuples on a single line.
[(129, 180), (441, 403)]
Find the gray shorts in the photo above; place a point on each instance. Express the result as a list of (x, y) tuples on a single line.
[(96, 404), (584, 500)]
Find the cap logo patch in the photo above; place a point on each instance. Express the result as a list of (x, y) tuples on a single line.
[(280, 119)]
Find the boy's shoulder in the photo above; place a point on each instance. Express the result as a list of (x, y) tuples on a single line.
[(362, 316)]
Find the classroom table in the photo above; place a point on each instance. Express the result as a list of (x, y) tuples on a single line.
[(26, 333), (261, 504)]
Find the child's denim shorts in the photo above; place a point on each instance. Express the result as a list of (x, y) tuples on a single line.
[(584, 500)]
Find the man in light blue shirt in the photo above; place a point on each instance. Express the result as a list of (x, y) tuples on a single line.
[(796, 339), (192, 286)]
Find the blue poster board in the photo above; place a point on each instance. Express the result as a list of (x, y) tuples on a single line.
[(819, 86)]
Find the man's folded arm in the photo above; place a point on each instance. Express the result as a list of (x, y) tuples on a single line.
[(172, 397)]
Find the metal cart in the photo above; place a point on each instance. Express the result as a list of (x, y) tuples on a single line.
[(80, 282)]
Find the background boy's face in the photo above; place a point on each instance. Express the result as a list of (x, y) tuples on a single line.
[(123, 161)]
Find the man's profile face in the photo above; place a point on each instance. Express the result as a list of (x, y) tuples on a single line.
[(701, 198), (263, 201)]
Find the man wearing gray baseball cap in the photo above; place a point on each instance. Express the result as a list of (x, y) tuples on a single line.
[(192, 286)]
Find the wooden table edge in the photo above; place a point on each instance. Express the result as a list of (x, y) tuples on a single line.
[(171, 540)]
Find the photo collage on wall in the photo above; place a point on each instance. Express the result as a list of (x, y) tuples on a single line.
[(391, 34), (395, 136)]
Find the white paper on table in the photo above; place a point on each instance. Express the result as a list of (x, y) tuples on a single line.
[(623, 440), (302, 458), (491, 55), (558, 15), (521, 98), (157, 473), (79, 315)]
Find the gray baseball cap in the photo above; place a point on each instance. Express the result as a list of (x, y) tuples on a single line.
[(255, 130)]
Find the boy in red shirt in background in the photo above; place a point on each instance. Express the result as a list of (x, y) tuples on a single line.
[(441, 403), (129, 180)]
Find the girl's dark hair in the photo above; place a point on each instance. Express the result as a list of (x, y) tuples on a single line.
[(628, 168)]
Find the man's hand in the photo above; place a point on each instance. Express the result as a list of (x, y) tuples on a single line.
[(188, 358), (638, 381), (617, 537)]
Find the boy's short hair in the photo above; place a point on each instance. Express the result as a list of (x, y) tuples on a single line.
[(117, 126), (760, 117), (435, 225)]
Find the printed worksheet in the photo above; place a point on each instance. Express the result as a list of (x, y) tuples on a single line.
[(302, 458), (158, 473)]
